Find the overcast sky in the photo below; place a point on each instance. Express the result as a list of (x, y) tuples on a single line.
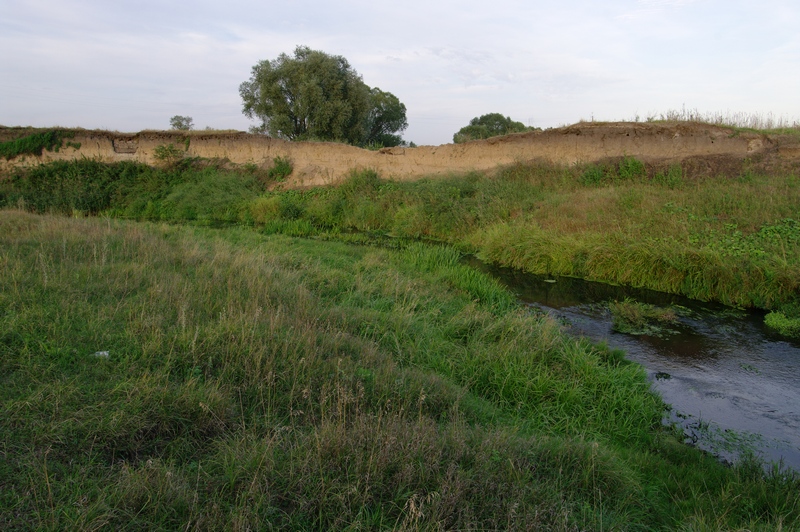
[(131, 65)]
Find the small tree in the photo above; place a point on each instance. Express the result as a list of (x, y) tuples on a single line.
[(489, 125), (184, 123)]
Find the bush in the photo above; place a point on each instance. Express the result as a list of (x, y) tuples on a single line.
[(281, 169), (594, 174), (631, 169), (168, 154)]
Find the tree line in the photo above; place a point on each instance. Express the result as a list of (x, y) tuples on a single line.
[(312, 95)]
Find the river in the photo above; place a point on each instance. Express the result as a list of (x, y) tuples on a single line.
[(731, 383)]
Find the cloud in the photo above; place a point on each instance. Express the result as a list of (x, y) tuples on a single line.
[(132, 66)]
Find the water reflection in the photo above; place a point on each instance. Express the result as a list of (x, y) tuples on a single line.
[(728, 378)]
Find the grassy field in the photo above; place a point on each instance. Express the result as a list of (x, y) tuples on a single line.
[(160, 376)]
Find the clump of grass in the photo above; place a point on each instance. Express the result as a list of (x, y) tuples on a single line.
[(633, 317), (785, 324)]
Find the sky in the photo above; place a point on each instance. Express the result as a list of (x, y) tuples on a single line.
[(129, 66)]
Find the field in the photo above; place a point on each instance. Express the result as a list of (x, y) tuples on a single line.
[(188, 346)]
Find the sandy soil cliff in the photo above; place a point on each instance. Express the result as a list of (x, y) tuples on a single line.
[(320, 163)]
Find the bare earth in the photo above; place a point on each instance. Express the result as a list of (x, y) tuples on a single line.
[(700, 148)]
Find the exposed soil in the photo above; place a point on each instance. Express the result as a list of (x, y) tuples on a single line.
[(701, 149)]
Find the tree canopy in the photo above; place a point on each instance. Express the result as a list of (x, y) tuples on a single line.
[(488, 125), (184, 123), (385, 118), (312, 95)]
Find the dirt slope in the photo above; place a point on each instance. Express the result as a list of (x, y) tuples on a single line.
[(699, 146)]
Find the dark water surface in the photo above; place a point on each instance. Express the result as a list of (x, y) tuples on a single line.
[(732, 383)]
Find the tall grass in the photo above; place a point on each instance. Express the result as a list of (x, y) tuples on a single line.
[(167, 377), (768, 122)]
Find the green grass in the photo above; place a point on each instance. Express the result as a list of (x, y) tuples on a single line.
[(266, 381), (634, 317), (728, 238), (35, 143)]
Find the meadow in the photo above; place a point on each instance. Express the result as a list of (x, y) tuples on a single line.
[(192, 347)]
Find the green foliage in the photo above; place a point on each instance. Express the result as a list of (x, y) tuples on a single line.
[(168, 154), (315, 96), (596, 174), (727, 241), (633, 317), (34, 144), (628, 169), (787, 325), (488, 125), (80, 186), (183, 123), (310, 95), (187, 190), (631, 169), (281, 169), (673, 178), (385, 118)]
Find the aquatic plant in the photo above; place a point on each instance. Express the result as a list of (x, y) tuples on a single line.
[(632, 317)]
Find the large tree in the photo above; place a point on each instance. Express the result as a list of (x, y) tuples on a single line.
[(488, 125), (312, 95), (385, 119)]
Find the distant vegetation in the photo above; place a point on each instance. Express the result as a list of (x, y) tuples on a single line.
[(182, 123), (316, 96), (489, 125)]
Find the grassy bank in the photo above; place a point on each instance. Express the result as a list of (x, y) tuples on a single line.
[(733, 238), (157, 376)]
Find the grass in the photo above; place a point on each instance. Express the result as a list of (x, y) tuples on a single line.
[(732, 238), (35, 143), (268, 381), (632, 317)]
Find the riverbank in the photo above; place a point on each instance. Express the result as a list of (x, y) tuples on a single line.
[(160, 376), (728, 237)]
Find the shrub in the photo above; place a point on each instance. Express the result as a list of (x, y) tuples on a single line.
[(281, 169), (594, 174), (168, 154), (631, 169)]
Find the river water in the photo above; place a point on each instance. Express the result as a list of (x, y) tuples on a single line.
[(732, 384)]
